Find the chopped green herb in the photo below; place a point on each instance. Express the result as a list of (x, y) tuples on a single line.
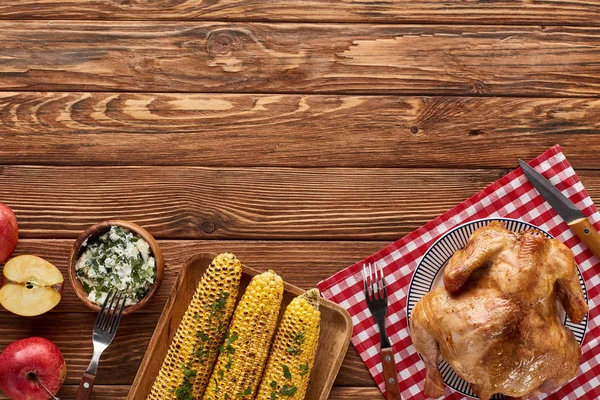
[(229, 363), (231, 339), (288, 391), (190, 373), (184, 391), (246, 392), (286, 372), (299, 339), (220, 303), (304, 369), (201, 353), (227, 346), (293, 351), (203, 336)]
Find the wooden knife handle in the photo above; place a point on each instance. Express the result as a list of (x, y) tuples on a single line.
[(585, 231), (85, 387), (392, 389)]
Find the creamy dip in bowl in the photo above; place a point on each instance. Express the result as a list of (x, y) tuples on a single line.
[(116, 255)]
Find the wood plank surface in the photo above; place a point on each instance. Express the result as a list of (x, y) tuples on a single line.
[(353, 393), (237, 203), (241, 203), (72, 333), (292, 130), (300, 135), (300, 263), (300, 58), (119, 392), (568, 12), (303, 264)]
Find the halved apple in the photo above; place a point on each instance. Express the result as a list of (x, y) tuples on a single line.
[(30, 286)]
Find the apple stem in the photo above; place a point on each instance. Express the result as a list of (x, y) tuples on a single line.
[(53, 397)]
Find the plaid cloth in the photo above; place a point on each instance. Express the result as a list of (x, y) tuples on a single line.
[(512, 196)]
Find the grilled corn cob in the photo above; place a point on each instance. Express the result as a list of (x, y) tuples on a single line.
[(293, 353), (188, 364), (243, 355)]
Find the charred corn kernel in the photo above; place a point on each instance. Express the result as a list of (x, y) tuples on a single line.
[(243, 355), (293, 352), (187, 367)]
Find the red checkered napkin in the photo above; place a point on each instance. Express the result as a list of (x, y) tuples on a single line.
[(513, 197)]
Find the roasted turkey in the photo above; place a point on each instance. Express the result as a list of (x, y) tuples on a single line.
[(495, 320)]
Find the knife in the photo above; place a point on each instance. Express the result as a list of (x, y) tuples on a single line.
[(573, 216)]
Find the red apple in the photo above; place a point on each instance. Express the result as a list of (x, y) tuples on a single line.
[(30, 286), (9, 232), (30, 366)]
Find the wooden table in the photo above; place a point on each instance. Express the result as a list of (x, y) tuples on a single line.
[(301, 135)]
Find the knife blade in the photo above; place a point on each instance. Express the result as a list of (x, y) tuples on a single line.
[(564, 207)]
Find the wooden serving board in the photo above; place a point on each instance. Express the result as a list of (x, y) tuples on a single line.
[(336, 329)]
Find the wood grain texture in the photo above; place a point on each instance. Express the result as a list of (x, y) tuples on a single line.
[(227, 119), (72, 333), (241, 203), (303, 264), (236, 203), (120, 362), (119, 392), (101, 392), (230, 203), (292, 130), (353, 393), (547, 12), (300, 58)]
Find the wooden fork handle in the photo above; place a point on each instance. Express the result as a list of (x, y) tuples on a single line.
[(392, 389), (85, 387)]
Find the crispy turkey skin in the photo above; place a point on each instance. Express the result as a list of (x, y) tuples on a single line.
[(496, 319)]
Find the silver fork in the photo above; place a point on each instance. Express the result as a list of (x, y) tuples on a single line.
[(377, 300), (105, 330)]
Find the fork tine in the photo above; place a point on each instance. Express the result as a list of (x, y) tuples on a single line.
[(382, 282), (374, 281), (371, 292), (99, 318), (112, 312), (378, 280), (364, 275), (117, 321), (367, 277)]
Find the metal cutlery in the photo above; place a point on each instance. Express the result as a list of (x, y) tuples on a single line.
[(377, 300), (564, 207), (105, 330)]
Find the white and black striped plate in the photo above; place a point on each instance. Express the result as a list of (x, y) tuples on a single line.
[(427, 277)]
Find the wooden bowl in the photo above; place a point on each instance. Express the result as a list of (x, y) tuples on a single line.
[(99, 229)]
